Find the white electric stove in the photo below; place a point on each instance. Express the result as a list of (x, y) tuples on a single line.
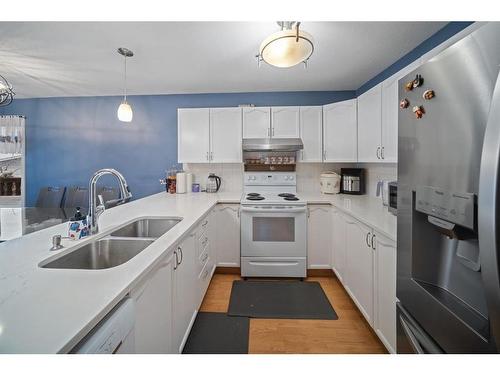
[(273, 226)]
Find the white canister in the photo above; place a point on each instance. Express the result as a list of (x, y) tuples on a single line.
[(181, 183), (189, 181), (330, 183)]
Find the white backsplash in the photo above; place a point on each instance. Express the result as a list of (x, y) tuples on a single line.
[(308, 174), (230, 174)]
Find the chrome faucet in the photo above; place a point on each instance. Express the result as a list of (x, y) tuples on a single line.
[(96, 210)]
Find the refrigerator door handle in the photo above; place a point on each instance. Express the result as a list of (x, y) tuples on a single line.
[(411, 337), (488, 204)]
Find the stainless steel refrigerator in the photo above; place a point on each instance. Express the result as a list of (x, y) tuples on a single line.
[(448, 200)]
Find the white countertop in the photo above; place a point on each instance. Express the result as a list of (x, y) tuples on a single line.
[(51, 310), (366, 209)]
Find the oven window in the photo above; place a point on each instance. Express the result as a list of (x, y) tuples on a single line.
[(273, 229)]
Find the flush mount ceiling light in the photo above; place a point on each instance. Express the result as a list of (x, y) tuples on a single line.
[(6, 93), (288, 47), (124, 112)]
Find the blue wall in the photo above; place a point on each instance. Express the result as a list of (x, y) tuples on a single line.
[(445, 33), (70, 138)]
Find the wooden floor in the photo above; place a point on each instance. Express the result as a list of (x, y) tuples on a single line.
[(349, 334)]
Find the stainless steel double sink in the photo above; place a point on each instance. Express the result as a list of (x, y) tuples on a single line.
[(118, 247)]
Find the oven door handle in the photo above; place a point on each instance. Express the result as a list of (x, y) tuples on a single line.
[(274, 210)]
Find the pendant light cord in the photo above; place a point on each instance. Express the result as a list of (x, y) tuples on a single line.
[(125, 80)]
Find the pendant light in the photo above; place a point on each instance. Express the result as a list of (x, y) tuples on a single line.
[(6, 92), (124, 112), (288, 47)]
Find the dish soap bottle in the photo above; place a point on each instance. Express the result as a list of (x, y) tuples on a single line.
[(78, 227)]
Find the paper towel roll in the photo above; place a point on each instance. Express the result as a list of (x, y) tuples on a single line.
[(189, 182), (181, 183)]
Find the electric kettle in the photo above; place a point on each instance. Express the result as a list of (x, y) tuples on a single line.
[(213, 183)]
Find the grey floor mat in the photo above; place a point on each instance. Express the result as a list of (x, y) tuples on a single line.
[(280, 300), (218, 333)]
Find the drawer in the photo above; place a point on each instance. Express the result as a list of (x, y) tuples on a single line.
[(202, 228), (273, 266), (204, 277), (203, 242), (203, 258)]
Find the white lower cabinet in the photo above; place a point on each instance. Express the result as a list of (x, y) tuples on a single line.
[(319, 236), (385, 290), (227, 235), (359, 280), (185, 291), (339, 248), (168, 297), (153, 322), (364, 261)]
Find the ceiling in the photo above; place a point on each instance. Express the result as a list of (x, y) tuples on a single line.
[(44, 59)]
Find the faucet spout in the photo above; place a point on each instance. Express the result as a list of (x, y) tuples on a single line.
[(96, 210)]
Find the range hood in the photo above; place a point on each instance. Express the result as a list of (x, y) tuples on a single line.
[(272, 144)]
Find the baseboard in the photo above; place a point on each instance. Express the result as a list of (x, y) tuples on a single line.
[(228, 270), (310, 272), (320, 273)]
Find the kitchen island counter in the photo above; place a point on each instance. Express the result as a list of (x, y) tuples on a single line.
[(51, 310)]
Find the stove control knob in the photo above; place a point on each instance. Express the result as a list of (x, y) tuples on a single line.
[(286, 177), (291, 178)]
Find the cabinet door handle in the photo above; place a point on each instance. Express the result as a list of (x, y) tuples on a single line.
[(378, 152), (268, 132), (366, 239), (273, 132), (382, 153), (182, 255), (207, 155), (373, 237), (176, 260), (212, 155)]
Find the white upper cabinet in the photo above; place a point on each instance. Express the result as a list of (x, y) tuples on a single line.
[(225, 135), (285, 122), (193, 135), (256, 122), (340, 132), (390, 108), (370, 125), (311, 133), (390, 112)]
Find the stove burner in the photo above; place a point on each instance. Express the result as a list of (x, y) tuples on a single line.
[(291, 198), (253, 194), (286, 195), (255, 198)]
